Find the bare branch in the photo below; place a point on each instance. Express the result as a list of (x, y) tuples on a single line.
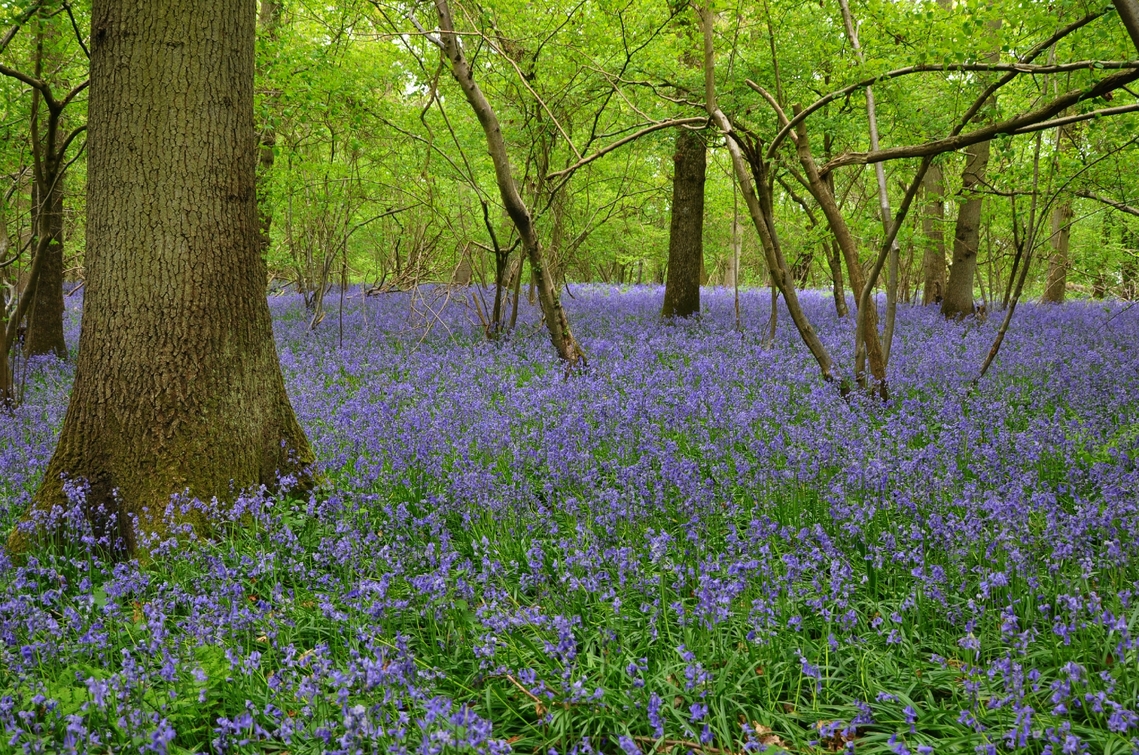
[(1126, 208), (1017, 124), (1057, 122), (20, 21), (622, 142), (1028, 57), (75, 28)]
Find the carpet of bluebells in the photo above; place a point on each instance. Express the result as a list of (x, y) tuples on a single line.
[(696, 546)]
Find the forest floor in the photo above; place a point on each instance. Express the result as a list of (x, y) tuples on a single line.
[(697, 545)]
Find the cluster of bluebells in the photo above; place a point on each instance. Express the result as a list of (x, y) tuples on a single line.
[(695, 543)]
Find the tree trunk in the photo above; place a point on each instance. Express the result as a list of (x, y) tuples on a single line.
[(269, 19), (1058, 263), (178, 385), (7, 394), (958, 299), (731, 262), (759, 208), (556, 321), (834, 260), (686, 230), (45, 312), (933, 258), (842, 236), (1129, 268)]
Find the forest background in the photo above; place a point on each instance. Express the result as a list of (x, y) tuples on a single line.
[(374, 170)]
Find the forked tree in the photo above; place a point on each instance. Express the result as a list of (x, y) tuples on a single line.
[(178, 385)]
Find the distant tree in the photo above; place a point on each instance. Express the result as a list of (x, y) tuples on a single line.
[(39, 308), (178, 385), (686, 230)]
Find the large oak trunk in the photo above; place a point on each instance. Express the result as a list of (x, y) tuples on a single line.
[(686, 230), (177, 386)]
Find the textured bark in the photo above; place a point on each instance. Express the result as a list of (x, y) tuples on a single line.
[(958, 298), (686, 230), (177, 386), (933, 221), (556, 321), (1058, 262)]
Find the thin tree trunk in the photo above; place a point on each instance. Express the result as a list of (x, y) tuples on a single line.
[(883, 194), (45, 312), (777, 265), (834, 261), (686, 229), (1129, 267), (1057, 280), (6, 388), (874, 353), (1029, 244), (933, 223), (732, 261), (178, 385), (556, 320), (737, 245)]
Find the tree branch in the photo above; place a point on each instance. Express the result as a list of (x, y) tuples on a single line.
[(1017, 124), (20, 21), (1126, 208), (622, 142), (1026, 58)]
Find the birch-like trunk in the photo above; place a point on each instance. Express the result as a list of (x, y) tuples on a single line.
[(883, 194), (777, 265), (556, 321)]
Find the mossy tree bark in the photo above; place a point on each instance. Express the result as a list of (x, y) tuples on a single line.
[(686, 228), (178, 385)]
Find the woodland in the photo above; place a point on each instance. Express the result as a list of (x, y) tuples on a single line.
[(572, 378)]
